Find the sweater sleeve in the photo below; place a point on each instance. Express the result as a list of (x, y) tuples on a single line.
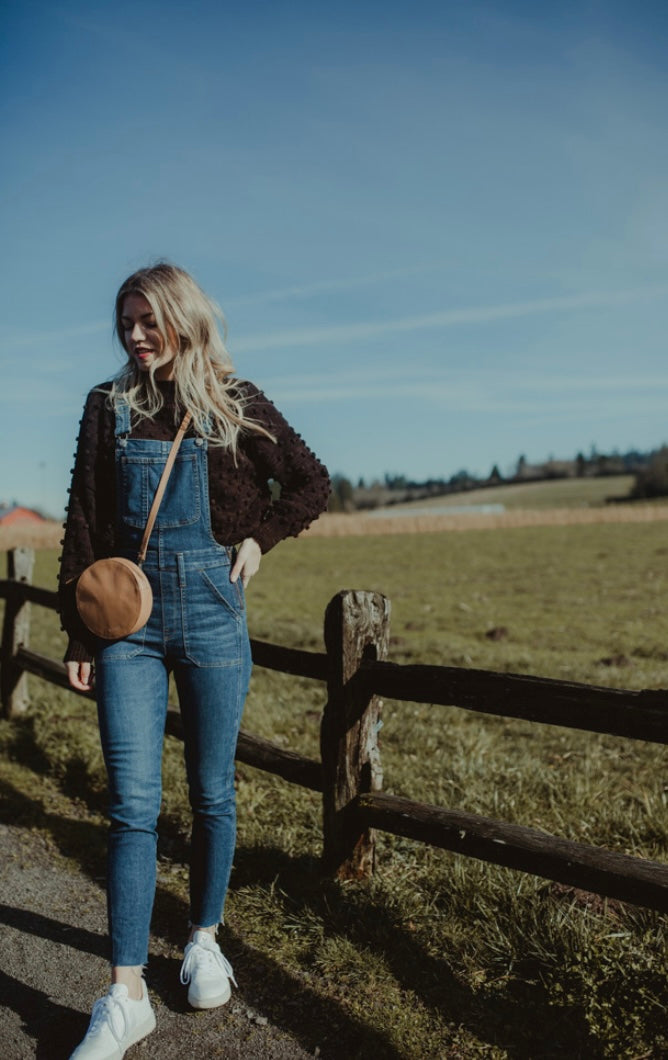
[(304, 481), (89, 527)]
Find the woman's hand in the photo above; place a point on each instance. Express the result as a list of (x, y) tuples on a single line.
[(81, 675), (247, 562)]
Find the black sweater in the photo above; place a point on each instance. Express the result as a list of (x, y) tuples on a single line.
[(239, 493)]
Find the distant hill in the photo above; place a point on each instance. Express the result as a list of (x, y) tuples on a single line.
[(551, 493)]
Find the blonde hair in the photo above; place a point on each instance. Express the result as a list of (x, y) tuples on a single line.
[(204, 383)]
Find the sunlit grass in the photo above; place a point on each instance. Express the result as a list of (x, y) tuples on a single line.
[(438, 954)]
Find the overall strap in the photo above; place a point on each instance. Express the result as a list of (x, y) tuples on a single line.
[(162, 485), (122, 413)]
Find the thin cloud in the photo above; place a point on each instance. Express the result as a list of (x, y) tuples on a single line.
[(446, 318), (311, 289), (19, 341), (575, 383), (370, 329), (36, 390), (31, 338), (480, 392)]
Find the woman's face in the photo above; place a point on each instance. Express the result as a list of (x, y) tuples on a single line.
[(144, 342)]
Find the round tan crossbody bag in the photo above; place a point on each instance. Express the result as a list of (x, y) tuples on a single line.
[(113, 596)]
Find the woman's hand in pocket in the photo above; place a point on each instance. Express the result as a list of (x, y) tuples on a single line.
[(247, 562)]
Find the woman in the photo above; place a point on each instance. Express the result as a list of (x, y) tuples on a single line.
[(217, 497)]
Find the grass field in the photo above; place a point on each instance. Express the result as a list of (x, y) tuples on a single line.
[(553, 493), (561, 502), (438, 955)]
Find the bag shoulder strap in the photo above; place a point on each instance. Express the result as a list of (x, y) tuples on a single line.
[(162, 485)]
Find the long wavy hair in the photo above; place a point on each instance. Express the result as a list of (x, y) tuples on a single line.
[(203, 370)]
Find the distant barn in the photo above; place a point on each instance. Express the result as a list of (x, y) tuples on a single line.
[(14, 513)]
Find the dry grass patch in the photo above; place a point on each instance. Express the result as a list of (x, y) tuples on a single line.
[(364, 524), (31, 535)]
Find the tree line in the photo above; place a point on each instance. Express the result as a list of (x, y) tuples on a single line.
[(649, 468)]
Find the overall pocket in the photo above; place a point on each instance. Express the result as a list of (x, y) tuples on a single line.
[(214, 617), (139, 478)]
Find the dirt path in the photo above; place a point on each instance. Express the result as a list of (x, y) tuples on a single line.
[(52, 966)]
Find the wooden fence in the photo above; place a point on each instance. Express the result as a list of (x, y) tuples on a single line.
[(356, 672)]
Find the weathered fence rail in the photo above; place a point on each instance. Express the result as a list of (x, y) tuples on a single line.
[(349, 772), (619, 712)]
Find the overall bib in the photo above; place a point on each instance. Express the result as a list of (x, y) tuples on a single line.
[(197, 629)]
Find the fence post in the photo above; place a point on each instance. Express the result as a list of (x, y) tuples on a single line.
[(15, 633), (357, 627)]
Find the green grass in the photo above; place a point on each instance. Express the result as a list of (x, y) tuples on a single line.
[(439, 955)]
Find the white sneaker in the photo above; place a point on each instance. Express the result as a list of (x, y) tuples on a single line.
[(117, 1023), (207, 971)]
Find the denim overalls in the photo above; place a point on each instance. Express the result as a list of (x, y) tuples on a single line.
[(197, 629)]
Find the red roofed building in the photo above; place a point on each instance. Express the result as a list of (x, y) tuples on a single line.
[(14, 513)]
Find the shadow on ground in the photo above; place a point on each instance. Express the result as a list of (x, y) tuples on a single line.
[(289, 1004), (523, 1021)]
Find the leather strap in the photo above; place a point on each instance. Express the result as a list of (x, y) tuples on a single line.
[(162, 485)]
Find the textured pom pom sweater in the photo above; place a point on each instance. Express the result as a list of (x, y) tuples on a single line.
[(239, 493)]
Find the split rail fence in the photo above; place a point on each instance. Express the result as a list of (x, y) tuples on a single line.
[(356, 672)]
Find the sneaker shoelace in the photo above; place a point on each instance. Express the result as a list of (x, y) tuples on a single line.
[(104, 1010), (198, 955)]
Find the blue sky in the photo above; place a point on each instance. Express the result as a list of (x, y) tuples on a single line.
[(439, 231)]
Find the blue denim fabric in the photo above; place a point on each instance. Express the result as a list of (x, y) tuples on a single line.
[(197, 629)]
